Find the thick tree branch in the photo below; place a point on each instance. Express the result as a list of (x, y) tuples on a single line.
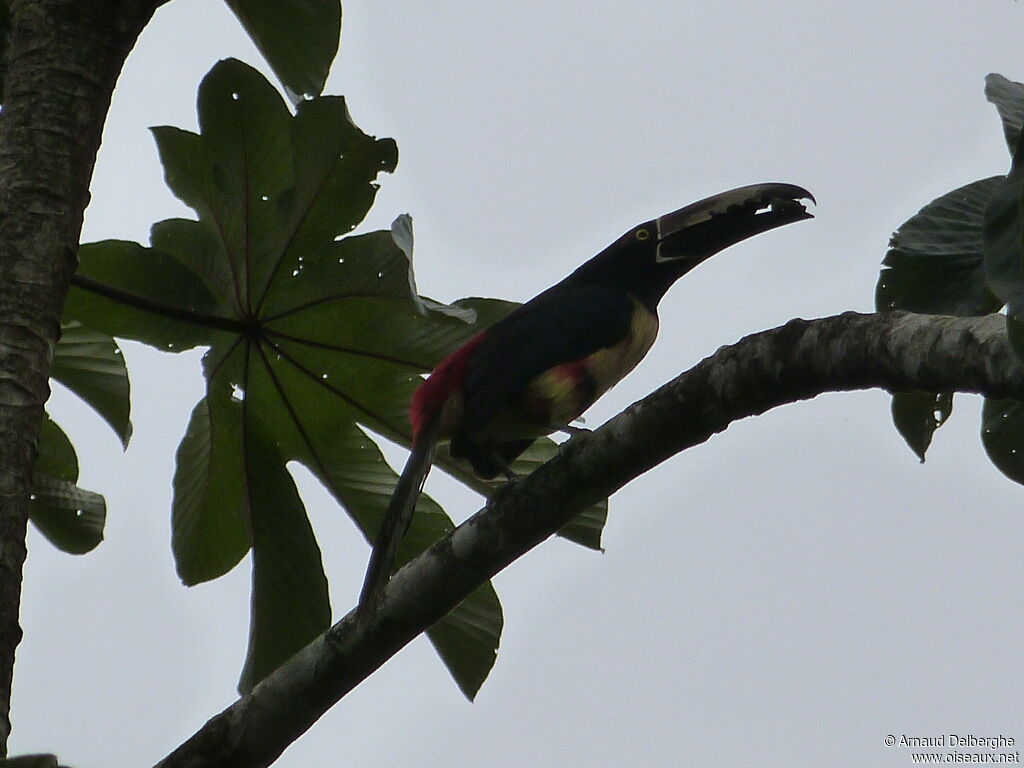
[(802, 359), (62, 60)]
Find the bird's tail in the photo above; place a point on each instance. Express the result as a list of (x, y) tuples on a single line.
[(397, 518)]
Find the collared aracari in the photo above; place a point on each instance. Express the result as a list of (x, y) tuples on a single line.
[(541, 366)]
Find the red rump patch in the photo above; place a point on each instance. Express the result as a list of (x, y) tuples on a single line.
[(434, 393)]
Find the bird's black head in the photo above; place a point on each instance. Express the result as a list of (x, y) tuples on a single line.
[(650, 257)]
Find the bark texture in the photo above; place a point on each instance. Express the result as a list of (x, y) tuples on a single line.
[(62, 60), (892, 351)]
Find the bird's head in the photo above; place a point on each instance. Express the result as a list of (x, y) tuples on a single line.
[(650, 257)]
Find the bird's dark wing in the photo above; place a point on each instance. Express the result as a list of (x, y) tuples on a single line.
[(554, 328)]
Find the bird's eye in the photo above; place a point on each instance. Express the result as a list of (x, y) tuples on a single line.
[(642, 234)]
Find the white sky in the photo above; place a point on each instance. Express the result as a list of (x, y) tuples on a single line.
[(787, 594)]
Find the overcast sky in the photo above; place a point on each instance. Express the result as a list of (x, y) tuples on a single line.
[(787, 594)]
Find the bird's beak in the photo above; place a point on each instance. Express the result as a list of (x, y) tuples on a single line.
[(704, 228)]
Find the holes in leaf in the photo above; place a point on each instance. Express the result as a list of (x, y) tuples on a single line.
[(237, 393), (235, 96)]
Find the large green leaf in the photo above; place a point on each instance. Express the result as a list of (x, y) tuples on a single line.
[(56, 456), (290, 604), (315, 335), (468, 634), (1004, 223), (1008, 98), (298, 38), (1003, 230), (90, 364), (935, 264), (209, 533), (961, 254), (1002, 434), (155, 300), (1004, 246), (1002, 429), (70, 517), (918, 414)]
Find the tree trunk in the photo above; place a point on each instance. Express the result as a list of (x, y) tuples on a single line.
[(62, 60)]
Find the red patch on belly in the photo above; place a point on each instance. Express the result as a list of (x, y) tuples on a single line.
[(559, 395)]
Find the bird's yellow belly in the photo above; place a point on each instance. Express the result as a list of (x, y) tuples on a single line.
[(561, 394), (612, 364)]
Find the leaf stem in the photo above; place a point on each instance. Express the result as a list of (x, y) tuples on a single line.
[(159, 308)]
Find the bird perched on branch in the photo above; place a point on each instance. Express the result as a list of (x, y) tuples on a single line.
[(537, 369)]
